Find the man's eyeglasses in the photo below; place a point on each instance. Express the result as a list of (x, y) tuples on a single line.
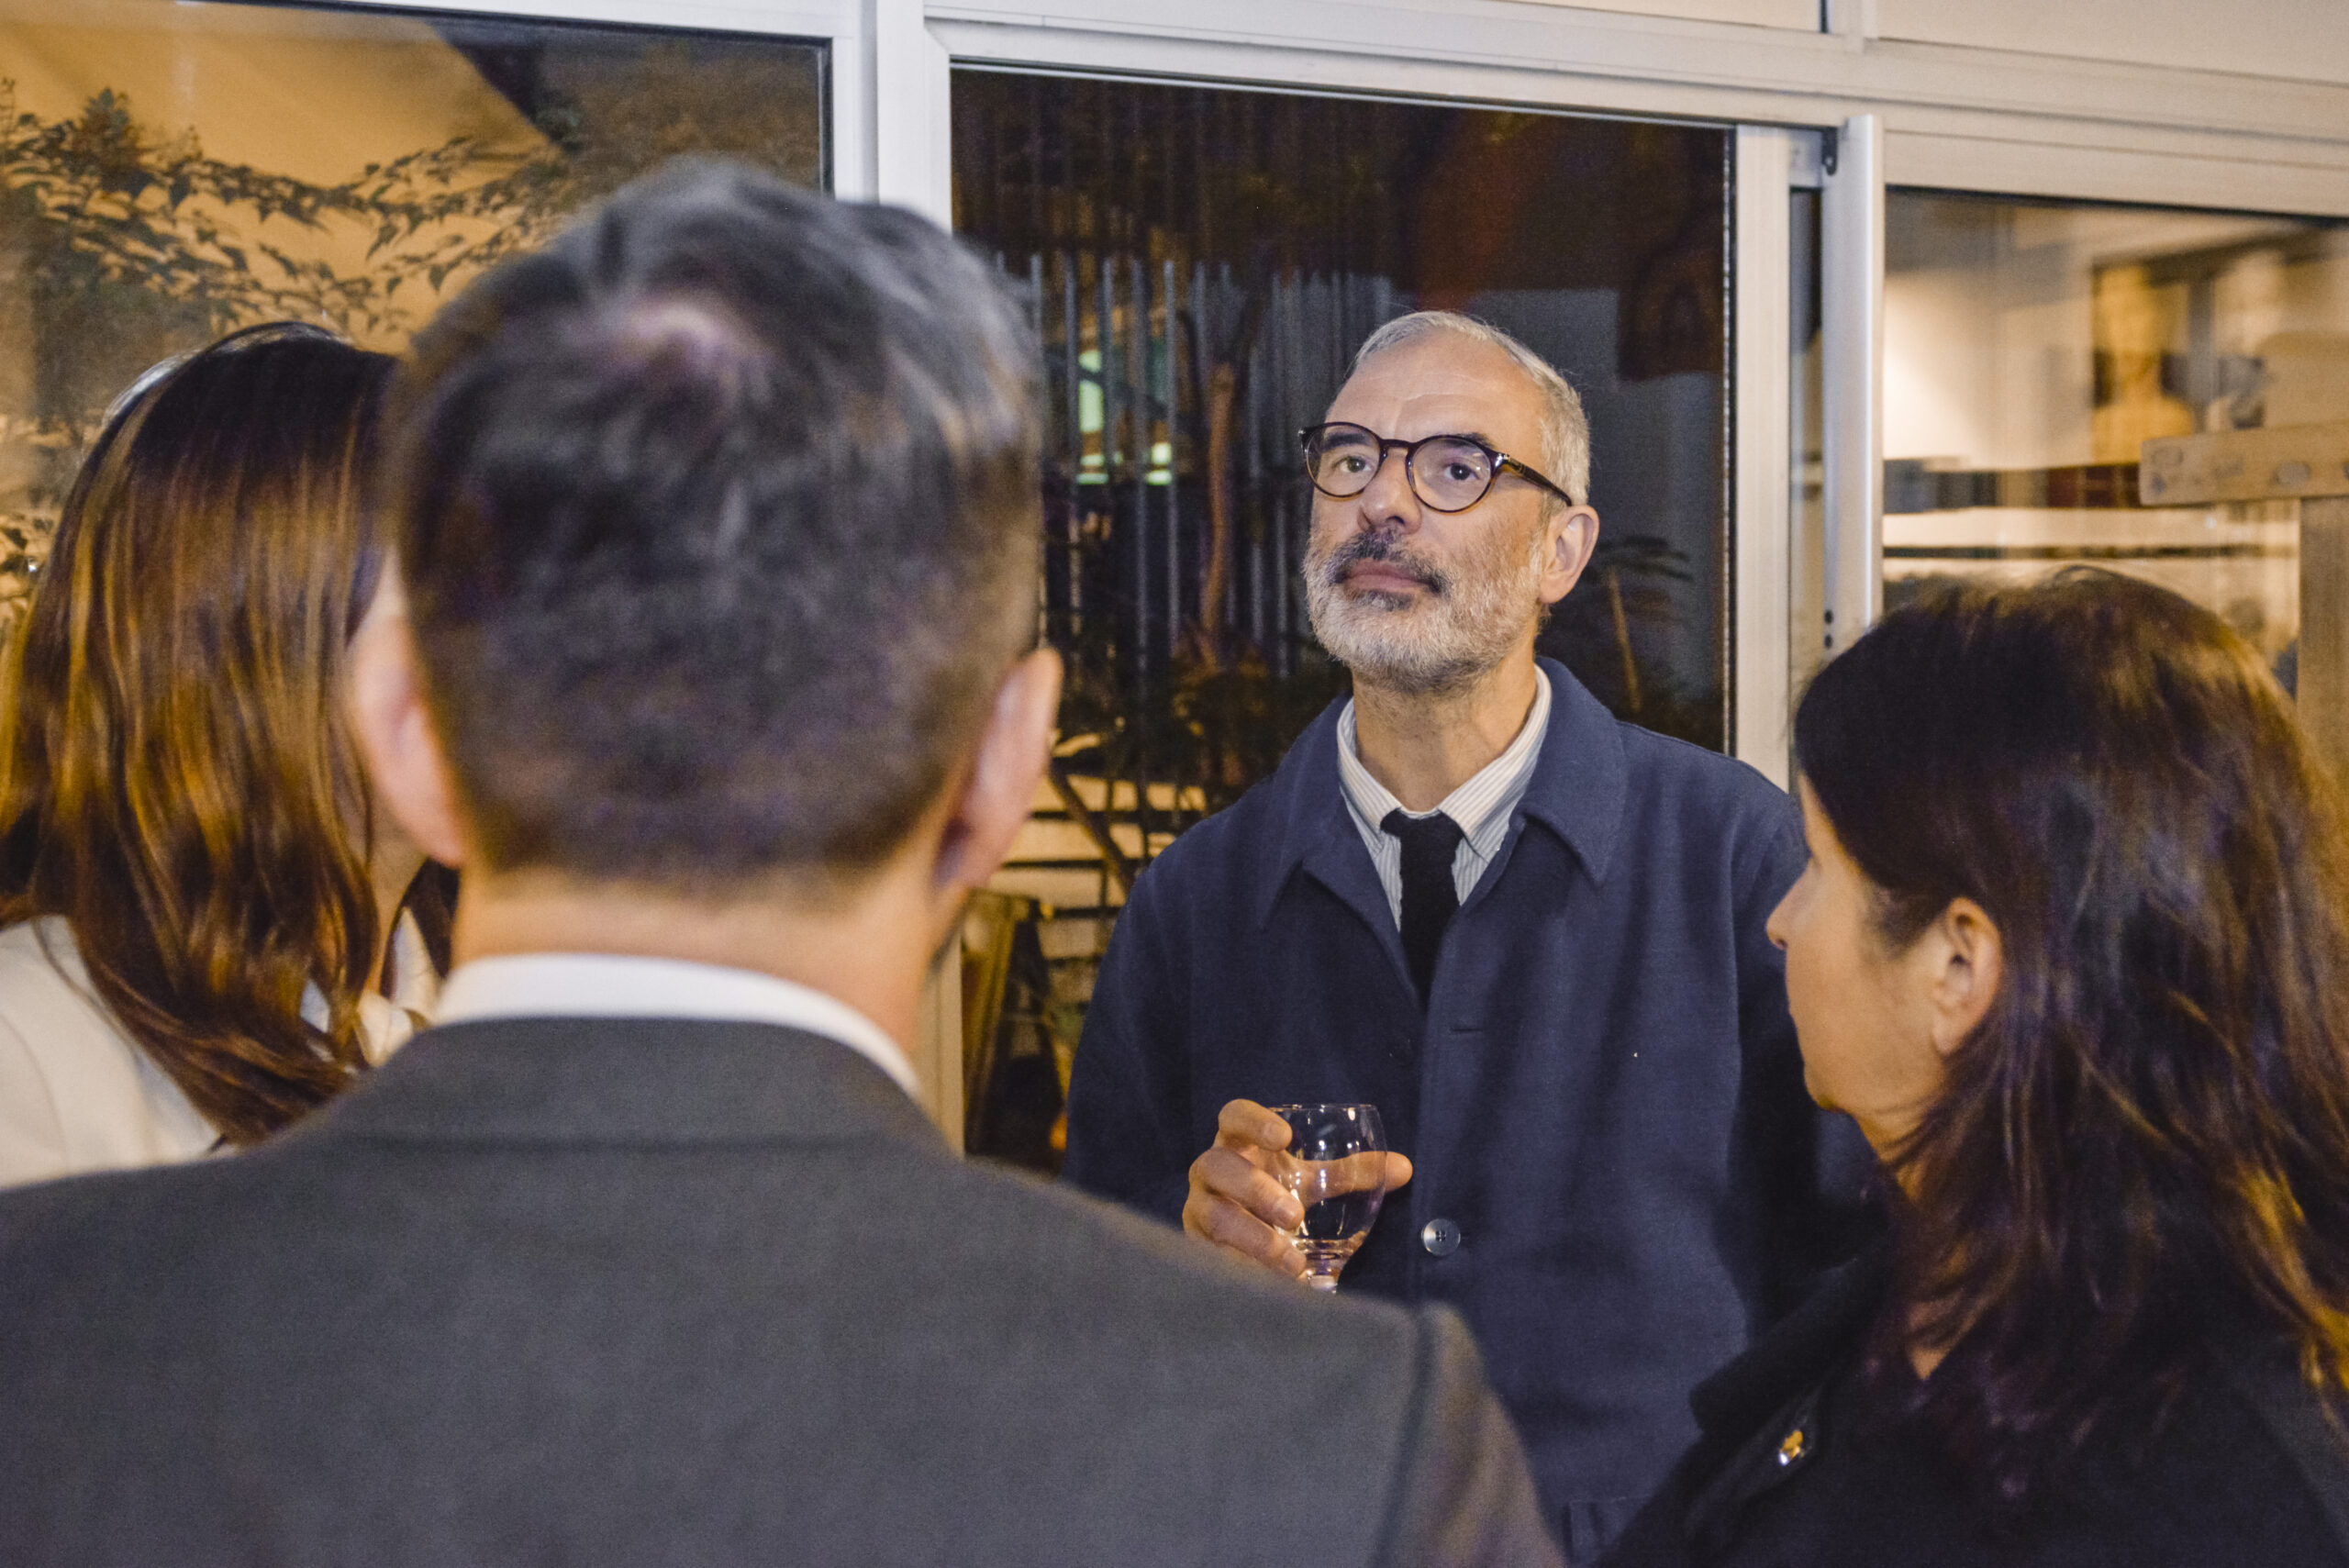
[(1448, 473)]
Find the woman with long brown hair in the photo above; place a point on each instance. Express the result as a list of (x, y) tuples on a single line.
[(2072, 949), (193, 891)]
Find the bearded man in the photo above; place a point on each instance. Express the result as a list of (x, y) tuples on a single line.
[(1529, 934)]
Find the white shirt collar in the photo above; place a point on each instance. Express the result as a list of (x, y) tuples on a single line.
[(1480, 804), (614, 985), (387, 1023)]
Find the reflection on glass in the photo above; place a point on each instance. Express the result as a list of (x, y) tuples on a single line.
[(1336, 1165), (1808, 614), (2030, 349), (170, 171), (1202, 263)]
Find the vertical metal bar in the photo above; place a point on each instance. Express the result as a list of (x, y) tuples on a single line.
[(1761, 526), (1255, 429), (1137, 310), (1334, 326), (1174, 512), (1072, 359), (1043, 556), (1281, 589), (1106, 379), (1291, 373), (1851, 294)]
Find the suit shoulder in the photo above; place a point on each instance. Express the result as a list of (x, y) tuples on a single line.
[(101, 1208)]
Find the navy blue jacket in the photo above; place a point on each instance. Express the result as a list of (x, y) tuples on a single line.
[(1603, 1094)]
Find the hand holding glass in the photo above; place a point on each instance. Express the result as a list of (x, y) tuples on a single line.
[(1336, 1164)]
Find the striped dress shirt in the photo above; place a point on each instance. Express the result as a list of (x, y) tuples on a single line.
[(1480, 806)]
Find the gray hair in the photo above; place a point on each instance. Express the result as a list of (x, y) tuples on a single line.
[(1566, 432)]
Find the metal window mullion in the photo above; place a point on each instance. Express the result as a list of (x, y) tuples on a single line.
[(1852, 350), (1762, 521), (1174, 497)]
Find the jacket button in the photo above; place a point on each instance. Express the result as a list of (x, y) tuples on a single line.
[(1440, 1236)]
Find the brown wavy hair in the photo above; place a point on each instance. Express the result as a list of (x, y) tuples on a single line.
[(2147, 1137), (177, 778)]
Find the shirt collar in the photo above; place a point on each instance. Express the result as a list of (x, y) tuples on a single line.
[(1575, 789), (617, 985), (1492, 794)]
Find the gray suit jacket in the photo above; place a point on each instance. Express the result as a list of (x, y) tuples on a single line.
[(671, 1293)]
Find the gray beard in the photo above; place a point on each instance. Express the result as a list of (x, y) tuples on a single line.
[(1478, 616)]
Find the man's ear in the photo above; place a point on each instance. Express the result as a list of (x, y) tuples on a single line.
[(405, 763), (1568, 537), (1969, 963), (999, 790)]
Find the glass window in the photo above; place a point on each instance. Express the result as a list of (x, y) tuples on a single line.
[(1202, 264), (171, 171), (2031, 348)]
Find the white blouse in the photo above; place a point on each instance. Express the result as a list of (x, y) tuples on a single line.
[(78, 1095)]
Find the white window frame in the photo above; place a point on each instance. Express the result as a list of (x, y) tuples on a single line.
[(889, 134)]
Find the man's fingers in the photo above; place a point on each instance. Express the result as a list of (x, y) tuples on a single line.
[(1244, 1124), (1228, 1226), (1232, 1177), (1316, 1180)]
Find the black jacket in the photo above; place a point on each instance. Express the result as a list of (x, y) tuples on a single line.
[(640, 1292), (1618, 1171), (2245, 1472)]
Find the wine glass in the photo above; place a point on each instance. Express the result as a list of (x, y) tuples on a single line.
[(1336, 1164)]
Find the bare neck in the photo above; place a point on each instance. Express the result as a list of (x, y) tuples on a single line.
[(1422, 747), (390, 870), (865, 949)]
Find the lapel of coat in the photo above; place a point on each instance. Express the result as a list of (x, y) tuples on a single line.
[(1316, 835), (1762, 1414), (1579, 783), (1576, 792)]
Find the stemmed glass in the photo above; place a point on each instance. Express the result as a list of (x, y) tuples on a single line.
[(1336, 1164)]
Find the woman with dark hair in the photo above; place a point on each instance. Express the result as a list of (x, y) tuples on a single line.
[(194, 890), (2072, 949)]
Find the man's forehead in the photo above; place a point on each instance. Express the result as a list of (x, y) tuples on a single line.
[(1441, 385)]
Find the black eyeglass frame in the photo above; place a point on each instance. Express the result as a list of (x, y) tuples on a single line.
[(1502, 463)]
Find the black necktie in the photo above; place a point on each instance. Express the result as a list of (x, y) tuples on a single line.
[(1429, 896)]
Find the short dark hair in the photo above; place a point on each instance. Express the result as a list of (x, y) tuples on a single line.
[(2148, 1134), (718, 519)]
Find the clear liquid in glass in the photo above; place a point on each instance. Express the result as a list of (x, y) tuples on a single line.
[(1335, 1163)]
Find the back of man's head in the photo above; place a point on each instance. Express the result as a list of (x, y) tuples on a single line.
[(718, 520)]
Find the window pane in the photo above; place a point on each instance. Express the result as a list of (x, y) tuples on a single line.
[(1202, 264), (171, 171), (2031, 348)]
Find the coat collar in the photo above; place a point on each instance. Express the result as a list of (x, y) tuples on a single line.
[(1576, 792), (1799, 1351), (650, 1081)]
